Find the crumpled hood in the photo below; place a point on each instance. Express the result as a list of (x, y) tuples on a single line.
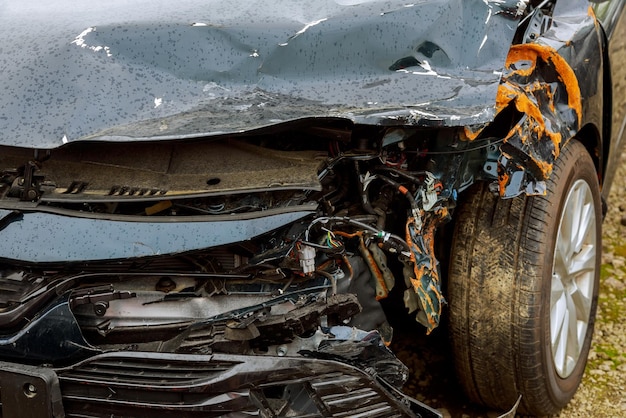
[(128, 69)]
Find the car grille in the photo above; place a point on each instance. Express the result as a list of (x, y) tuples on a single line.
[(174, 385), (167, 373)]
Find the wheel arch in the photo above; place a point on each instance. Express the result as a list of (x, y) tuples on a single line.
[(591, 138)]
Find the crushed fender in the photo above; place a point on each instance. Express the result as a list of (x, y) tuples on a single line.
[(541, 89), (544, 90)]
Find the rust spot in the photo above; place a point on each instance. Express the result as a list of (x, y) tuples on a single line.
[(503, 181), (382, 291), (381, 287)]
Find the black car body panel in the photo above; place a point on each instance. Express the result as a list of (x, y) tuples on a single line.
[(192, 188), (611, 16)]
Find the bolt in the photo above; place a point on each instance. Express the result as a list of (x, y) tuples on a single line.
[(30, 390), (100, 308), (31, 194), (165, 284)]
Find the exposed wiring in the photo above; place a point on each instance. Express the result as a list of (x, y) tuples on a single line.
[(461, 151), (384, 235)]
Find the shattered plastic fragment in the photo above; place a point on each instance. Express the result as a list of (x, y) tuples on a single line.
[(426, 283)]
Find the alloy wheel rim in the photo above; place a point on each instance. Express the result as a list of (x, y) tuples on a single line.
[(573, 278)]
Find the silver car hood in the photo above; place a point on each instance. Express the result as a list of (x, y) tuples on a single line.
[(130, 70)]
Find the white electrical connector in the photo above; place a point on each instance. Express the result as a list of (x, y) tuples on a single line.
[(429, 196), (307, 259)]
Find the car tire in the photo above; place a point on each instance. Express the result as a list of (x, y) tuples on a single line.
[(522, 288)]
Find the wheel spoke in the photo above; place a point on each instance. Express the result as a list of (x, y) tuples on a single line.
[(558, 312), (583, 210), (584, 262), (560, 354), (561, 264), (572, 344), (573, 212), (563, 250), (581, 305)]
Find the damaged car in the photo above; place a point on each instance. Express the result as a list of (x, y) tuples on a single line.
[(209, 209)]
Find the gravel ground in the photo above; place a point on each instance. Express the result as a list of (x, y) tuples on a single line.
[(601, 393)]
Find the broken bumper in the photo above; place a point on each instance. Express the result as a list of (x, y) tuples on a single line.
[(173, 385)]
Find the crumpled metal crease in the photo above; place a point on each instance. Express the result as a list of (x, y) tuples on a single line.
[(189, 69), (543, 89)]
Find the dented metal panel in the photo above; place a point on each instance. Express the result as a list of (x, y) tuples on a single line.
[(135, 70), (542, 89), (59, 238)]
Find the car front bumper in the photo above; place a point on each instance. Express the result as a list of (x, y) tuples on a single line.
[(140, 384)]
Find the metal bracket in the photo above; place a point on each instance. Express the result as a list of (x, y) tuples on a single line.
[(98, 296), (30, 191), (29, 392)]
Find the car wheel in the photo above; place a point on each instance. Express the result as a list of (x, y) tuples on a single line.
[(522, 288)]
